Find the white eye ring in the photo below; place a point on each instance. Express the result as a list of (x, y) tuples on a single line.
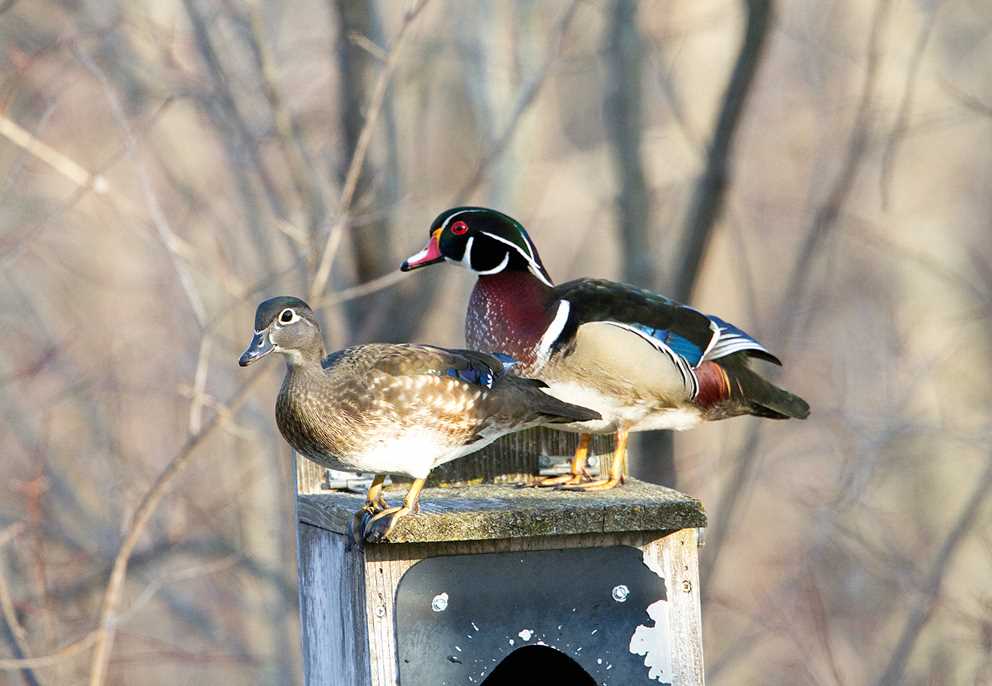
[(293, 317)]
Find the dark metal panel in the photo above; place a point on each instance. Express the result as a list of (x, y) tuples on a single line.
[(459, 616)]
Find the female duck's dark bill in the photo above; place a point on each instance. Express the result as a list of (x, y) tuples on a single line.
[(259, 347), (429, 255)]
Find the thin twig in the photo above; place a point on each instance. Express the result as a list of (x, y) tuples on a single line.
[(362, 289), (526, 99), (17, 632), (361, 150), (58, 161), (301, 172), (106, 630), (923, 610), (891, 150), (177, 248), (74, 648), (199, 385), (195, 572)]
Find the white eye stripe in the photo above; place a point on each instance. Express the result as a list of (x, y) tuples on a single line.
[(531, 260)]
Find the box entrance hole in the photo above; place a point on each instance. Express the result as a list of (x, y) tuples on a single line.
[(538, 666)]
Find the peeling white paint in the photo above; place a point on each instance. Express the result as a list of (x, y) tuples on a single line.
[(526, 634), (653, 564), (511, 641), (652, 643), (474, 626)]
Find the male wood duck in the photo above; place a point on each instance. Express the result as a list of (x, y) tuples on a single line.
[(392, 409), (641, 360)]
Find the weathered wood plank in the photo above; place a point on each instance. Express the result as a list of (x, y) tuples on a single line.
[(332, 609), (495, 511), (676, 559)]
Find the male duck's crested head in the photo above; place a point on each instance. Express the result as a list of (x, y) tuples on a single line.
[(287, 325), (482, 240)]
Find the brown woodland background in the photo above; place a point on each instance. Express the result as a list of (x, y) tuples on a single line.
[(816, 172)]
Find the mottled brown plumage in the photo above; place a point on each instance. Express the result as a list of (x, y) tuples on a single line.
[(392, 408)]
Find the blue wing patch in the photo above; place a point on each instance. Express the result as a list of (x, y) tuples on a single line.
[(478, 376), (680, 345)]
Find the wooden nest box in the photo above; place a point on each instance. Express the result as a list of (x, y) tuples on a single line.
[(493, 584)]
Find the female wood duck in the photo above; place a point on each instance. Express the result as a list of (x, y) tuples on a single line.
[(392, 409), (641, 360)]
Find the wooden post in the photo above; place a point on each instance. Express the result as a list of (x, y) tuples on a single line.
[(604, 584)]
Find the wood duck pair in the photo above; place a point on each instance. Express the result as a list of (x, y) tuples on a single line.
[(392, 409), (641, 360)]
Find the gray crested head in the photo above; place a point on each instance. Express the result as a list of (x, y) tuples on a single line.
[(268, 310), (286, 325)]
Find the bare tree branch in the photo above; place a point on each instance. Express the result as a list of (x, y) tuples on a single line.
[(142, 515), (707, 202), (58, 161), (924, 607), (527, 97), (823, 222), (361, 150), (891, 151)]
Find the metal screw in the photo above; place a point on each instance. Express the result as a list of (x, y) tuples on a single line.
[(440, 602), (687, 586), (620, 593), (380, 612)]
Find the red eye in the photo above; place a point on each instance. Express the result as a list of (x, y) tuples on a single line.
[(459, 228)]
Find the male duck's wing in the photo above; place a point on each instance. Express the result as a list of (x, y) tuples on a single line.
[(733, 340), (671, 326), (666, 324)]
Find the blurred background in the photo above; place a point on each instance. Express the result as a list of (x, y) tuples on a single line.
[(816, 172)]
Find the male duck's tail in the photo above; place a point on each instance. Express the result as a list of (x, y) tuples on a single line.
[(729, 387)]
